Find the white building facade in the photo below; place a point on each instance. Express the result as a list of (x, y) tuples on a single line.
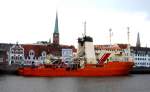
[(141, 56), (23, 55), (15, 54)]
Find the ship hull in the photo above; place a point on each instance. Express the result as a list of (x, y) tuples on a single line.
[(109, 69)]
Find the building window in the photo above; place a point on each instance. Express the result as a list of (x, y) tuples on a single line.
[(16, 58), (16, 51), (12, 51), (20, 58), (12, 57), (44, 54), (12, 62), (31, 53)]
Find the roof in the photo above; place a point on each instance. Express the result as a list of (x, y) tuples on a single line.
[(123, 46), (140, 48), (107, 47), (111, 47), (38, 49)]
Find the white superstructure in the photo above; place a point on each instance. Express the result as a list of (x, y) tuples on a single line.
[(86, 50)]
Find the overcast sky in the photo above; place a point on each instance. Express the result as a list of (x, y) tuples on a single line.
[(28, 21)]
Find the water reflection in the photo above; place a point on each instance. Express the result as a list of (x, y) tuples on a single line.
[(133, 83)]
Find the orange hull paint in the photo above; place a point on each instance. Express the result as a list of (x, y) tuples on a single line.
[(109, 69)]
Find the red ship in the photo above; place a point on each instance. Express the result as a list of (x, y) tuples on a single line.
[(84, 64)]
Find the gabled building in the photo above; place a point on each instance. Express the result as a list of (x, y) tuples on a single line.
[(141, 55), (15, 54)]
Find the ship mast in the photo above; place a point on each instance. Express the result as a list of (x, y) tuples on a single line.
[(85, 28), (128, 33), (85, 59), (110, 30)]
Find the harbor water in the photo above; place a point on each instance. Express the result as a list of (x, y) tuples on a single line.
[(132, 83)]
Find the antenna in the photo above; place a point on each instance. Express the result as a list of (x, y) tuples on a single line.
[(128, 32), (85, 28), (110, 35), (128, 35)]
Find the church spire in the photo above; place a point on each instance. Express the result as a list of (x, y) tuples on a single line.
[(56, 32), (138, 43)]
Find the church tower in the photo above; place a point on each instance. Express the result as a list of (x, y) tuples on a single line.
[(56, 32), (138, 43)]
